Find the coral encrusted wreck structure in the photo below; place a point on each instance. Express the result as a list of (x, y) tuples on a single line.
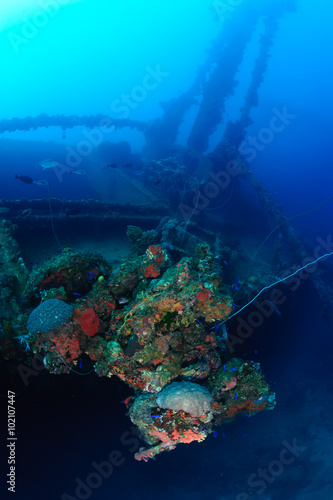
[(152, 323)]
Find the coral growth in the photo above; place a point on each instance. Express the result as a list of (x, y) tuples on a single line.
[(49, 315), (185, 396), (150, 324)]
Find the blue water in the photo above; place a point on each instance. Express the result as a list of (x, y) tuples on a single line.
[(83, 57)]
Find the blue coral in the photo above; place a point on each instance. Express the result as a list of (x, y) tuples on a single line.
[(48, 315)]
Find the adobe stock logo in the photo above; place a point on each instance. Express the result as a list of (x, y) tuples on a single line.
[(102, 471), (127, 102), (292, 278), (277, 124), (248, 150), (123, 105), (31, 26), (266, 476)]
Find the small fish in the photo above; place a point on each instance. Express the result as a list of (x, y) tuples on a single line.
[(217, 328), (40, 182), (233, 305), (236, 287), (233, 369), (239, 281), (226, 263), (243, 435), (78, 172), (256, 352), (127, 400), (155, 416), (24, 178), (48, 164), (91, 274), (80, 366), (122, 300), (74, 293), (236, 396), (215, 434), (223, 367)]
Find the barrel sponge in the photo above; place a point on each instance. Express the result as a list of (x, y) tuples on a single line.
[(185, 396), (48, 315)]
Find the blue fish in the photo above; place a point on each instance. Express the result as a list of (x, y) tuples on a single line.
[(74, 293), (243, 435), (80, 366), (236, 287), (155, 416), (235, 396), (223, 367), (223, 435), (226, 263), (233, 369), (239, 281), (91, 274), (215, 434)]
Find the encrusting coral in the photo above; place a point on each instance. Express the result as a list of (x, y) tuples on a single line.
[(150, 322)]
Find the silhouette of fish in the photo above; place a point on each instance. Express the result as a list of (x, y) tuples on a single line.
[(29, 180), (24, 178)]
